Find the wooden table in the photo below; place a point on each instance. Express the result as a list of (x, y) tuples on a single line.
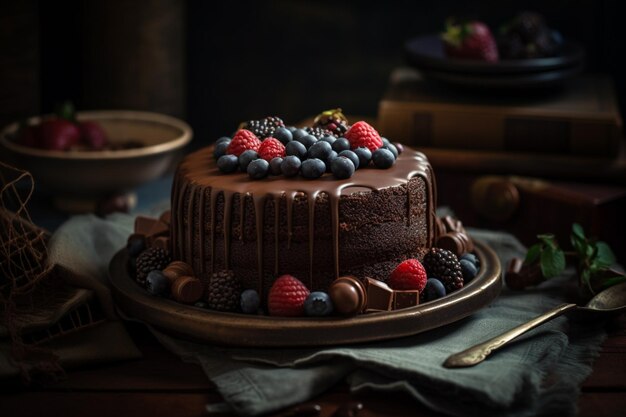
[(160, 384)]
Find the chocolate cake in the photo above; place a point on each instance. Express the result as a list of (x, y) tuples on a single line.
[(315, 230)]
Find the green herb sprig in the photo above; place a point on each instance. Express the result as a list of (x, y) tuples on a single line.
[(594, 259)]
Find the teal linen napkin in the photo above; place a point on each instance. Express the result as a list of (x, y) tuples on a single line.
[(539, 374)]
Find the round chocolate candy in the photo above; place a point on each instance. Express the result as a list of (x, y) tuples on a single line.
[(187, 289), (348, 295), (453, 242), (176, 270)]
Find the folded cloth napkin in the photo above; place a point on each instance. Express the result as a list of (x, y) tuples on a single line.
[(539, 374)]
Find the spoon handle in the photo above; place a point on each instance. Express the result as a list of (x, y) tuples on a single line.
[(478, 353)]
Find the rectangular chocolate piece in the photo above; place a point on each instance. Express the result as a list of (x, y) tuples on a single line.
[(379, 295), (405, 299), (144, 224)]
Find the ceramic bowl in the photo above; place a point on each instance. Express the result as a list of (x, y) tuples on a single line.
[(79, 179)]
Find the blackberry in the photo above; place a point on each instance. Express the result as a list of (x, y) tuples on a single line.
[(264, 128), (318, 132), (445, 266), (333, 121), (150, 260), (224, 291)]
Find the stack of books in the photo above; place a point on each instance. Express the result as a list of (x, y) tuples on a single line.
[(556, 133)]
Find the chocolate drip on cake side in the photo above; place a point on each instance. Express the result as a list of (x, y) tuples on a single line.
[(198, 172)]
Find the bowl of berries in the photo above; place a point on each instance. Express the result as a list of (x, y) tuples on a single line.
[(86, 158)]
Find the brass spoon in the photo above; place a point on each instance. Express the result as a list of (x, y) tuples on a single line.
[(610, 301)]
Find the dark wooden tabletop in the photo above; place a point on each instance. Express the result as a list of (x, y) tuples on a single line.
[(161, 384)]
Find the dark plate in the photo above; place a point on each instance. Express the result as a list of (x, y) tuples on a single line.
[(426, 52), (518, 81), (264, 331)]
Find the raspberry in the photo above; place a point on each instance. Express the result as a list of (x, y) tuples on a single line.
[(409, 275), (271, 148), (243, 141), (287, 297), (362, 135)]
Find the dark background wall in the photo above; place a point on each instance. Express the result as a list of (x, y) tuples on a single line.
[(218, 63)]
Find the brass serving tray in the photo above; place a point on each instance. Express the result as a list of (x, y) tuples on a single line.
[(264, 331)]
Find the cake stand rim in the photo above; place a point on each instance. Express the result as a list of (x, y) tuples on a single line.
[(233, 329)]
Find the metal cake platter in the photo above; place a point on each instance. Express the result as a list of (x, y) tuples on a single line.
[(231, 329)]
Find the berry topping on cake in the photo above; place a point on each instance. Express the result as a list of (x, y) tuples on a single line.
[(383, 158), (333, 121), (443, 264), (150, 260), (243, 140), (264, 128), (258, 169), (224, 291), (318, 132), (409, 275), (287, 297), (361, 134), (271, 148)]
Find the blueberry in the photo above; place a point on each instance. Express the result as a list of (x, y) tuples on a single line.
[(292, 128), (275, 165), (250, 301), (291, 165), (296, 148), (283, 134), (228, 163), (135, 245), (157, 283), (222, 139), (320, 150), (307, 140), (318, 304), (342, 167), (399, 147), (470, 257), (245, 158), (469, 270), (220, 149), (391, 147), (434, 289), (383, 158), (329, 160), (341, 144), (298, 133), (259, 168), (313, 168), (330, 139), (351, 156), (201, 304), (365, 156), (385, 141)]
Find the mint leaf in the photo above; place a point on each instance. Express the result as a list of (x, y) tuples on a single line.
[(604, 255), (577, 230), (578, 243), (548, 239), (552, 262), (533, 254)]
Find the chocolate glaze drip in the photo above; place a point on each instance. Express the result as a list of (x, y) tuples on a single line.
[(198, 174)]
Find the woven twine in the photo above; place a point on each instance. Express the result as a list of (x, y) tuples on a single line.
[(25, 276)]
